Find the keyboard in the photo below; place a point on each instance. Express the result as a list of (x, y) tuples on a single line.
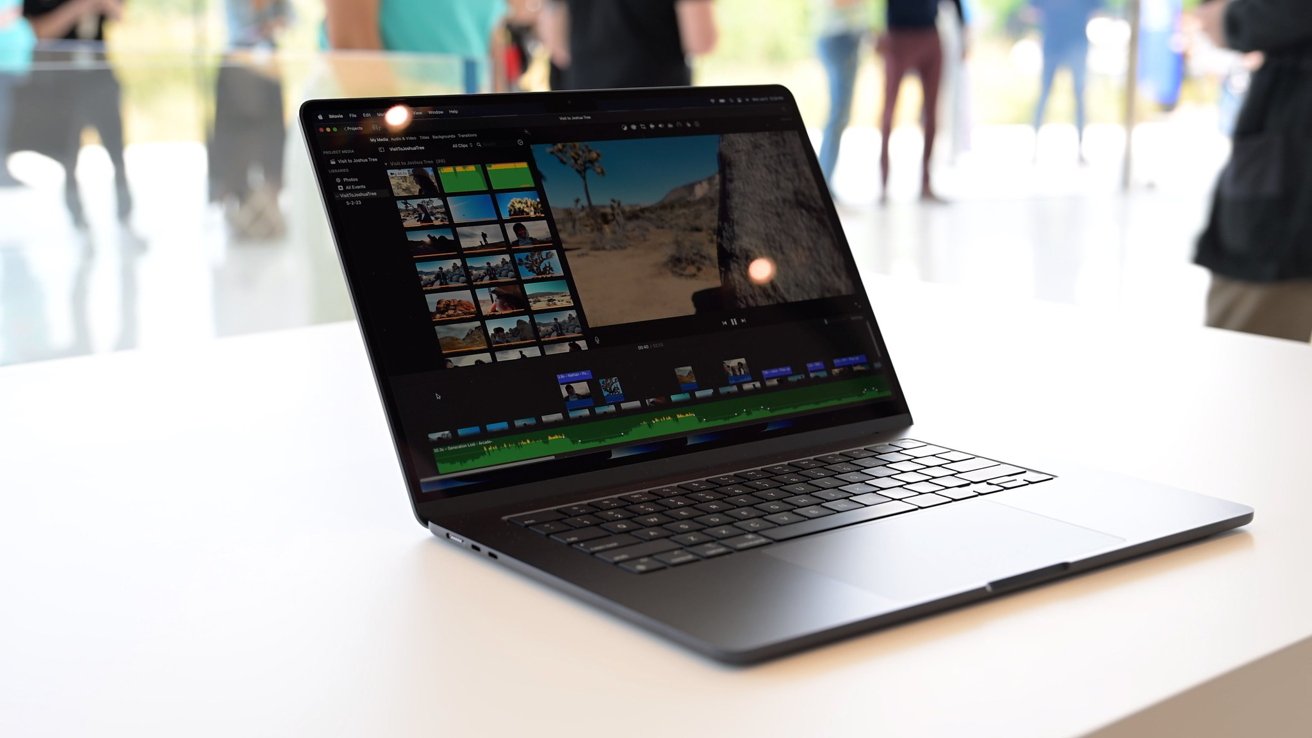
[(664, 527)]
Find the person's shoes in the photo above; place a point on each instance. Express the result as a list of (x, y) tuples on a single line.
[(258, 217), (929, 197), (123, 195)]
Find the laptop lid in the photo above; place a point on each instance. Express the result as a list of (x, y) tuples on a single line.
[(558, 285)]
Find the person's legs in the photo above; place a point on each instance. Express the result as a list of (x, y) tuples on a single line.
[(1049, 74), (7, 84), (931, 75), (1277, 309), (895, 66), (1078, 61), (839, 55)]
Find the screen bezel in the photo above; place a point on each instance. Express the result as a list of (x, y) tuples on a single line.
[(685, 463)]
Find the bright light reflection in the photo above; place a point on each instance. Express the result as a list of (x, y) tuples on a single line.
[(761, 270)]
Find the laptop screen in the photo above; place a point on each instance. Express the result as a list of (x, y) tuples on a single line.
[(554, 284)]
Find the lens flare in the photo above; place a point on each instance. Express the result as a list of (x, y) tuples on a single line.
[(397, 116), (761, 270)]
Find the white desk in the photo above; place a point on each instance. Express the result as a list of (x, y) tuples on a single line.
[(216, 541)]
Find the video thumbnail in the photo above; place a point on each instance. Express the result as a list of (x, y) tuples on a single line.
[(549, 295), (468, 360), (559, 324), (452, 305), (431, 242), (564, 347), (510, 175), (510, 331), (530, 233), (470, 208), (611, 389), (440, 436), (525, 204), (418, 181), (686, 378), (422, 211), (516, 354), (464, 178), (440, 273), (736, 370), (487, 269), (537, 264), (502, 299), (576, 394), (460, 337), (486, 237)]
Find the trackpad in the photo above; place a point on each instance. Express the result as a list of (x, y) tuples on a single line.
[(942, 550)]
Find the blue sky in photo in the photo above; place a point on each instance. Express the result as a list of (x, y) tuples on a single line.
[(638, 171)]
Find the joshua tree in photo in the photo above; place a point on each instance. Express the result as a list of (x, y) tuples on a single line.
[(582, 158)]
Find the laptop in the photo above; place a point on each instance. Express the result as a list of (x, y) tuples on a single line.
[(624, 349)]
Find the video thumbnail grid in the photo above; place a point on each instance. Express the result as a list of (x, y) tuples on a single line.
[(495, 280)]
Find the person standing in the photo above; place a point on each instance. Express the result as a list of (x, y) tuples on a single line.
[(1065, 44), (16, 43), (912, 44), (840, 25), (601, 44), (1258, 240)]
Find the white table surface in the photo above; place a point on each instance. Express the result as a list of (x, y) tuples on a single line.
[(215, 540)]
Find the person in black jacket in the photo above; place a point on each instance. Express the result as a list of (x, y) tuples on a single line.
[(1258, 240)]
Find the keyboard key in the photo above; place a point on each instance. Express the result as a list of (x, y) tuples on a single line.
[(614, 514), (818, 472), (910, 477), (736, 489), (785, 518), (754, 524), (610, 503), (572, 510), (710, 550), (1035, 477), (579, 535), (858, 453), (907, 443), (919, 451), (715, 520), (535, 518), (758, 484), (650, 534), (932, 461), (883, 448), (831, 494), (895, 457), (959, 493), (803, 501), (665, 491), (791, 479), (831, 459), (622, 526), (936, 471), (744, 513), (752, 474), (970, 464), (714, 506), (923, 487), (703, 496), (700, 485), (582, 521), (928, 500), (889, 483), (683, 513), (984, 489), (898, 493), (724, 531), (645, 508), (598, 545), (1009, 483), (905, 466), (990, 472), (642, 566), (837, 520), (854, 477), (882, 471), (745, 541), (846, 467), (676, 558), (829, 483), (774, 506), (800, 488), (773, 494), (547, 529), (951, 482), (814, 511), (724, 479), (650, 521), (870, 462), (870, 499), (843, 505), (677, 501), (692, 539), (954, 456), (638, 497), (616, 555), (683, 526), (742, 500), (779, 469)]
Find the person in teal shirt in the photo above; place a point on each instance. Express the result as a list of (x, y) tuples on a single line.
[(16, 43), (463, 28)]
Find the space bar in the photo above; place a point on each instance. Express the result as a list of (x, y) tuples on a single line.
[(837, 520)]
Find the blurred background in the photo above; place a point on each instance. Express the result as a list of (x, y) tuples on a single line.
[(158, 193)]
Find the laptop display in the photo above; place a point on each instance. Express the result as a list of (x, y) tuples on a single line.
[(551, 287)]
